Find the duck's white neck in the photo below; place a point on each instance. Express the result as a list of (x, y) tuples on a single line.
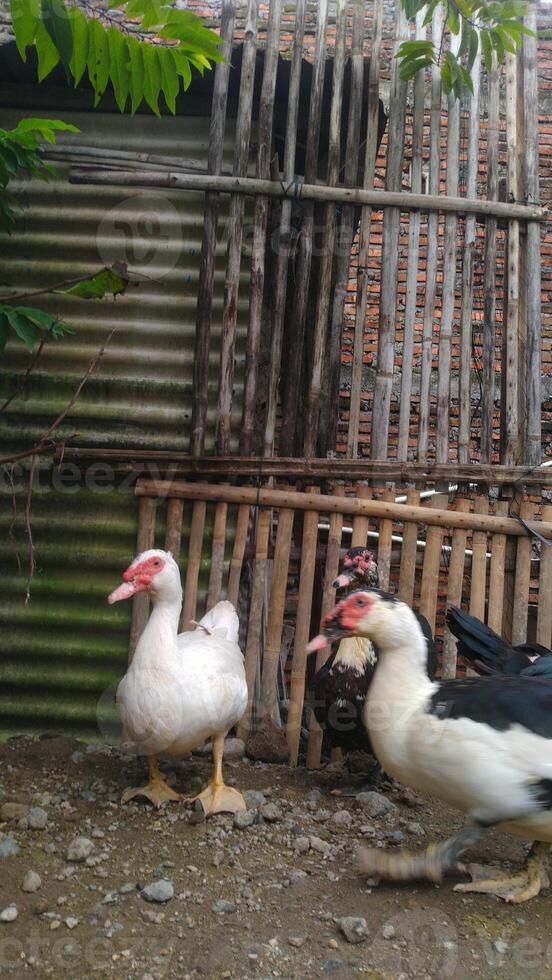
[(158, 641), (402, 648)]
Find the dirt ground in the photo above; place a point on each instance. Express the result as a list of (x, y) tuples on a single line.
[(278, 903)]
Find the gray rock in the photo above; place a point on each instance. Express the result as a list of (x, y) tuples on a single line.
[(354, 928), (296, 875), (244, 818), (8, 847), (13, 811), (9, 914), (416, 828), (341, 820), (222, 907), (375, 804), (313, 795), (500, 945), (254, 798), (234, 748), (301, 845), (158, 891), (38, 818), (319, 845), (31, 882), (332, 965), (127, 888), (79, 849), (321, 816), (271, 813), (297, 941), (395, 836), (388, 931)]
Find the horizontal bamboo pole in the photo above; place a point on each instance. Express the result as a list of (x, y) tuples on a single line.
[(294, 500), (182, 464), (297, 190)]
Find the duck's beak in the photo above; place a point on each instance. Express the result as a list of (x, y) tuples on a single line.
[(125, 591), (345, 580), (317, 643)]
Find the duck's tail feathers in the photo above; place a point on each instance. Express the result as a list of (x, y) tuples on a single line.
[(222, 617)]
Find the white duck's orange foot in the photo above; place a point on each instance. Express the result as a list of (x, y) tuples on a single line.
[(219, 798), (157, 792), (515, 888)]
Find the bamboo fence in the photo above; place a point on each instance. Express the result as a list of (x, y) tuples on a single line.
[(328, 375), (432, 555)]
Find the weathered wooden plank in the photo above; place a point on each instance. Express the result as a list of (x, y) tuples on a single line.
[(364, 231), (544, 617), (235, 235), (217, 554), (254, 624), (489, 275), (238, 551), (385, 544), (496, 576), (209, 239), (533, 438), (413, 254), (390, 254), (302, 629), (193, 566), (173, 530), (510, 402), (478, 585), (407, 573), (522, 578), (432, 238), (429, 590), (260, 222), (269, 680), (279, 305)]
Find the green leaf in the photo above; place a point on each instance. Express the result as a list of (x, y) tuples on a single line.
[(4, 331), (98, 59), (182, 67), (112, 281), (47, 53), (25, 18), (487, 51), (81, 30), (136, 67), (23, 327), (118, 66), (152, 77), (473, 49), (56, 19), (453, 20), (149, 12), (170, 84), (412, 67)]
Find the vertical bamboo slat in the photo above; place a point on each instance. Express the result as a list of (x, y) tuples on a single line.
[(364, 231), (496, 576), (432, 239), (304, 253), (302, 626), (209, 240), (173, 530), (390, 254), (532, 247), (429, 591), (511, 447), (331, 567), (330, 226), (217, 555), (544, 617), (467, 270), (361, 524), (479, 563), (238, 551), (449, 278), (413, 254), (278, 589), (195, 548), (385, 543), (260, 221), (145, 540), (254, 624), (332, 366), (235, 225), (454, 587), (407, 574), (489, 276), (279, 305), (522, 578)]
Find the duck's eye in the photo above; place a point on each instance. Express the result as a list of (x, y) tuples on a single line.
[(156, 562), (360, 602)]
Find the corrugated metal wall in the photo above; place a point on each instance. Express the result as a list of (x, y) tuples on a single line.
[(59, 653)]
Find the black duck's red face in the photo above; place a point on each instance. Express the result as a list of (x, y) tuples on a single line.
[(359, 569)]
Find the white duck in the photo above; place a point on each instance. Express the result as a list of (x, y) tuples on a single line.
[(483, 744), (180, 689)]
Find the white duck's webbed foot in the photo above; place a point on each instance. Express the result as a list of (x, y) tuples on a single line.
[(157, 791), (516, 888), (217, 797)]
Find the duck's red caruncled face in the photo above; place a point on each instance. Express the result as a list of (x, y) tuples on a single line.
[(138, 577)]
